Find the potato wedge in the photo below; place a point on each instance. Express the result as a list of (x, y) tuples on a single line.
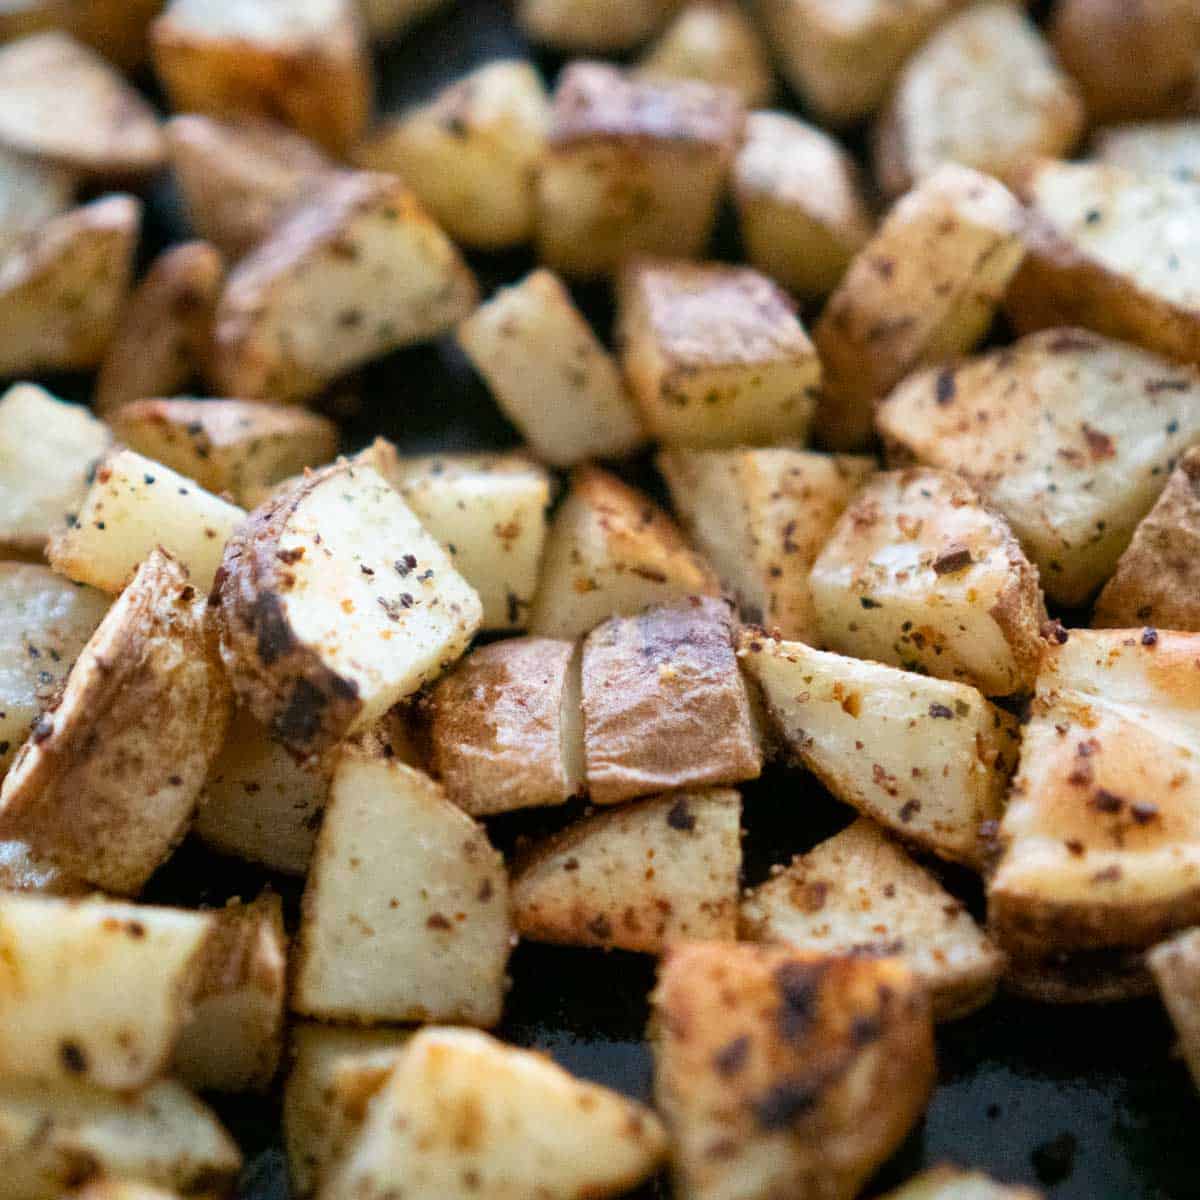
[(860, 893), (715, 355), (949, 1183), (598, 26), (780, 1072), (1176, 968), (611, 552), (924, 289), (387, 19), (550, 374), (1153, 148), (1077, 438), (927, 758), (537, 1130), (406, 909), (919, 573), (107, 783), (32, 192), (334, 605), (356, 271)]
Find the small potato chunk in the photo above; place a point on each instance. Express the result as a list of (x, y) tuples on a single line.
[(62, 102), (239, 178), (923, 290), (598, 26), (919, 573), (505, 728), (48, 451), (766, 1078), (949, 1183), (32, 192), (927, 758), (637, 877), (715, 355), (1077, 438), (354, 272), (1155, 148), (550, 374), (761, 517), (489, 512), (334, 605), (859, 892), (472, 153), (799, 202), (612, 552), (387, 19), (534, 1129), (406, 909), (134, 505), (301, 61), (984, 91), (1176, 968), (62, 289), (1113, 252), (236, 446), (633, 166), (664, 704), (98, 991)]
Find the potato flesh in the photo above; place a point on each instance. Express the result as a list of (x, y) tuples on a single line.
[(1152, 148), (31, 193)]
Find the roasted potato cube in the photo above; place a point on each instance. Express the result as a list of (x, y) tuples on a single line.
[(859, 892), (100, 990), (600, 26), (1113, 252), (949, 1183), (920, 573), (1072, 437), (550, 374), (799, 202), (760, 517), (638, 877), (472, 153), (354, 272), (406, 909), (134, 505), (924, 289), (334, 605), (48, 451), (1154, 148), (388, 18), (633, 166), (715, 355), (1176, 968), (537, 1131), (781, 1072), (928, 758), (303, 62), (106, 785), (32, 192)]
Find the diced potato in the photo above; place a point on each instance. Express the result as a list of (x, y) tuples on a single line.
[(781, 1072), (600, 26), (302, 61), (134, 505), (107, 783), (236, 446), (533, 1129), (354, 272), (633, 166), (761, 517), (62, 102), (23, 871), (32, 192), (48, 451), (505, 728), (715, 355), (406, 910), (859, 892), (1113, 252), (928, 758), (1176, 968), (949, 1183), (800, 203), (984, 91), (1154, 148), (239, 178), (62, 289), (334, 605), (612, 552), (97, 991), (919, 573), (923, 290), (489, 512), (472, 153), (637, 877), (1072, 437), (664, 704), (550, 374), (389, 18)]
